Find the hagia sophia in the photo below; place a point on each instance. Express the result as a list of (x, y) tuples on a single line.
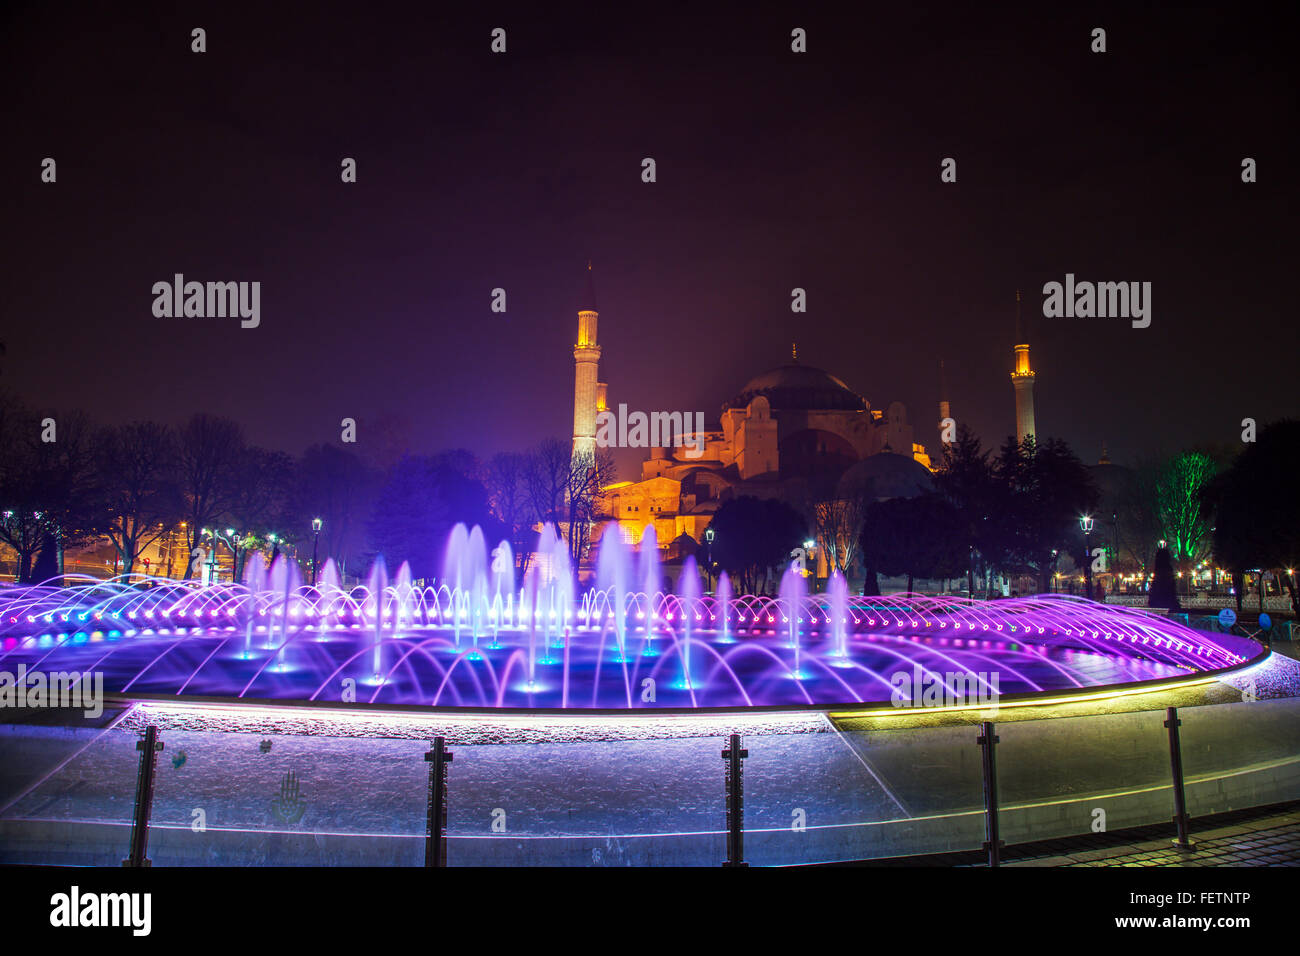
[(793, 432)]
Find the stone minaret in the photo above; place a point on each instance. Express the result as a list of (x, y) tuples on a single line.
[(586, 387), (1023, 381), (945, 407)]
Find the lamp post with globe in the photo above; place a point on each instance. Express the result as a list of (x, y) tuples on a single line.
[(1086, 524), (708, 553), (315, 546)]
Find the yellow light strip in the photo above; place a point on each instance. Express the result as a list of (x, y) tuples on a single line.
[(1036, 702)]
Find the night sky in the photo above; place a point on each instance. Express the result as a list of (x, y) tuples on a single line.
[(775, 170)]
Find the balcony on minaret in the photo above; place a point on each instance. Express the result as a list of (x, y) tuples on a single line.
[(586, 329), (1022, 361)]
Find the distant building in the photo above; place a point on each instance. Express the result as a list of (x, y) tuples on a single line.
[(795, 432), (788, 433)]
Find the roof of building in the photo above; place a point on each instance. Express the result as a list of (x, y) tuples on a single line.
[(796, 387), (1111, 480), (887, 475)]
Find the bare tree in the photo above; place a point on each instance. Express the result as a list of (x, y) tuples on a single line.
[(208, 453), (838, 526), (46, 484), (589, 473), (566, 489), (1184, 520), (506, 479), (547, 473), (139, 500), (835, 510)]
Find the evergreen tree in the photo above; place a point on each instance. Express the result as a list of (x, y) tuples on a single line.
[(1162, 593)]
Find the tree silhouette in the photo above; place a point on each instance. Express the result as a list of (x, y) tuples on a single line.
[(139, 500), (914, 537), (208, 455), (1163, 593), (423, 498), (1047, 488), (755, 535), (1257, 511), (966, 479)]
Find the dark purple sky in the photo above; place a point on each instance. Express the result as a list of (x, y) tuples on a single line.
[(775, 170)]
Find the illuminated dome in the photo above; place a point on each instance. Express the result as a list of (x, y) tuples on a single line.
[(799, 388)]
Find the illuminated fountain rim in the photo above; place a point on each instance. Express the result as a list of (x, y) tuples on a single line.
[(1044, 698)]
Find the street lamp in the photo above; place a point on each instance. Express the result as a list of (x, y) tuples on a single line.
[(315, 544), (232, 542), (1086, 523), (708, 552)]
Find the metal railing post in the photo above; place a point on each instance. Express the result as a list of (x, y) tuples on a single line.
[(1173, 722), (735, 787), (148, 745), (435, 841), (988, 742)]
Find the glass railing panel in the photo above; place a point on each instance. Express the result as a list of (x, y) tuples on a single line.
[(651, 802), (241, 799), (1070, 776), (855, 794), (1240, 755), (67, 793)]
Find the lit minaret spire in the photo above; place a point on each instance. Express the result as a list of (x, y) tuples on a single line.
[(1023, 381), (586, 387), (945, 407)]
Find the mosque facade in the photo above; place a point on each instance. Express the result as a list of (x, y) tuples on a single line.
[(795, 432)]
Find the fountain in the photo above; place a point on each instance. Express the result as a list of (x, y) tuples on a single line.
[(611, 581), (327, 586), (837, 614), (722, 607), (470, 640), (793, 591), (374, 606), (688, 598), (254, 582)]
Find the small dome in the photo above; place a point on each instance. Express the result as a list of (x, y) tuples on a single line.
[(682, 545), (887, 475), (799, 388)]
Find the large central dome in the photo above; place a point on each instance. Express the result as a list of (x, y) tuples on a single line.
[(799, 388)]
